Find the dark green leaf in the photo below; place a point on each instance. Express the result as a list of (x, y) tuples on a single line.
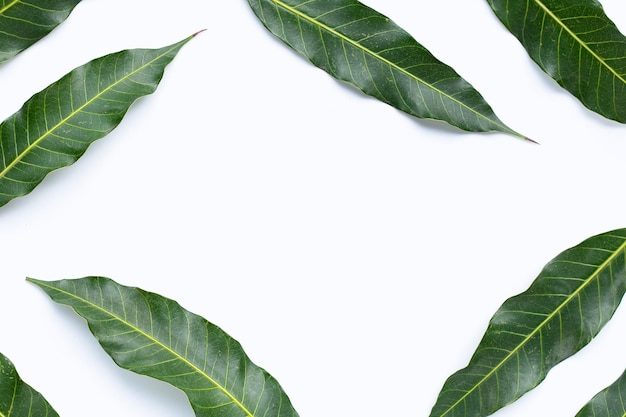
[(17, 398), (360, 46), (22, 23), (610, 402), (574, 296), (57, 125), (152, 335), (575, 43)]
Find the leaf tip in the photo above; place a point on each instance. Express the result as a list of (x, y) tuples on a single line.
[(34, 281), (530, 140), (197, 33)]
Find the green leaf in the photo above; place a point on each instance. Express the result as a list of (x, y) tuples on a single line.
[(57, 125), (610, 402), (153, 335), (24, 23), (360, 46), (17, 398), (575, 43), (573, 297)]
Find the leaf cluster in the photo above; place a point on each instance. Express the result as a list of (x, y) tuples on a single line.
[(568, 304), (565, 307), (574, 42)]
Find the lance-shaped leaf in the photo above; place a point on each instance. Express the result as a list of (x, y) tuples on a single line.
[(610, 402), (22, 23), (17, 398), (360, 46), (575, 43), (573, 297), (57, 125), (153, 335)]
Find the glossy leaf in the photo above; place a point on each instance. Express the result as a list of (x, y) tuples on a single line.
[(17, 398), (57, 125), (22, 23), (610, 402), (573, 297), (360, 46), (576, 44), (152, 335)]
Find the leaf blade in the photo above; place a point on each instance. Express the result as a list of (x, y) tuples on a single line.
[(17, 398), (144, 332), (363, 48), (610, 402), (576, 44), (573, 297), (57, 125), (24, 23)]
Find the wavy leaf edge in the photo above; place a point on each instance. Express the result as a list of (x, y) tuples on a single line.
[(385, 87), (35, 141), (575, 56), (539, 346), (17, 397), (252, 374), (610, 402)]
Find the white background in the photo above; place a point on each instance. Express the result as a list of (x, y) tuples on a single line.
[(357, 253)]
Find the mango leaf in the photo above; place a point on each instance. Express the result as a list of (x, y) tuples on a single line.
[(57, 125), (361, 47), (153, 335), (17, 398), (573, 297), (24, 23), (610, 402), (575, 43)]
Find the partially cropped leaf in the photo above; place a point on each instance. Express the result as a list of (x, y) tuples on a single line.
[(360, 46), (22, 23), (573, 297), (57, 125), (610, 402), (153, 335), (575, 43), (17, 398)]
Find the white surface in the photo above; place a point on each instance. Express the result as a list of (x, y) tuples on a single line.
[(355, 252)]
